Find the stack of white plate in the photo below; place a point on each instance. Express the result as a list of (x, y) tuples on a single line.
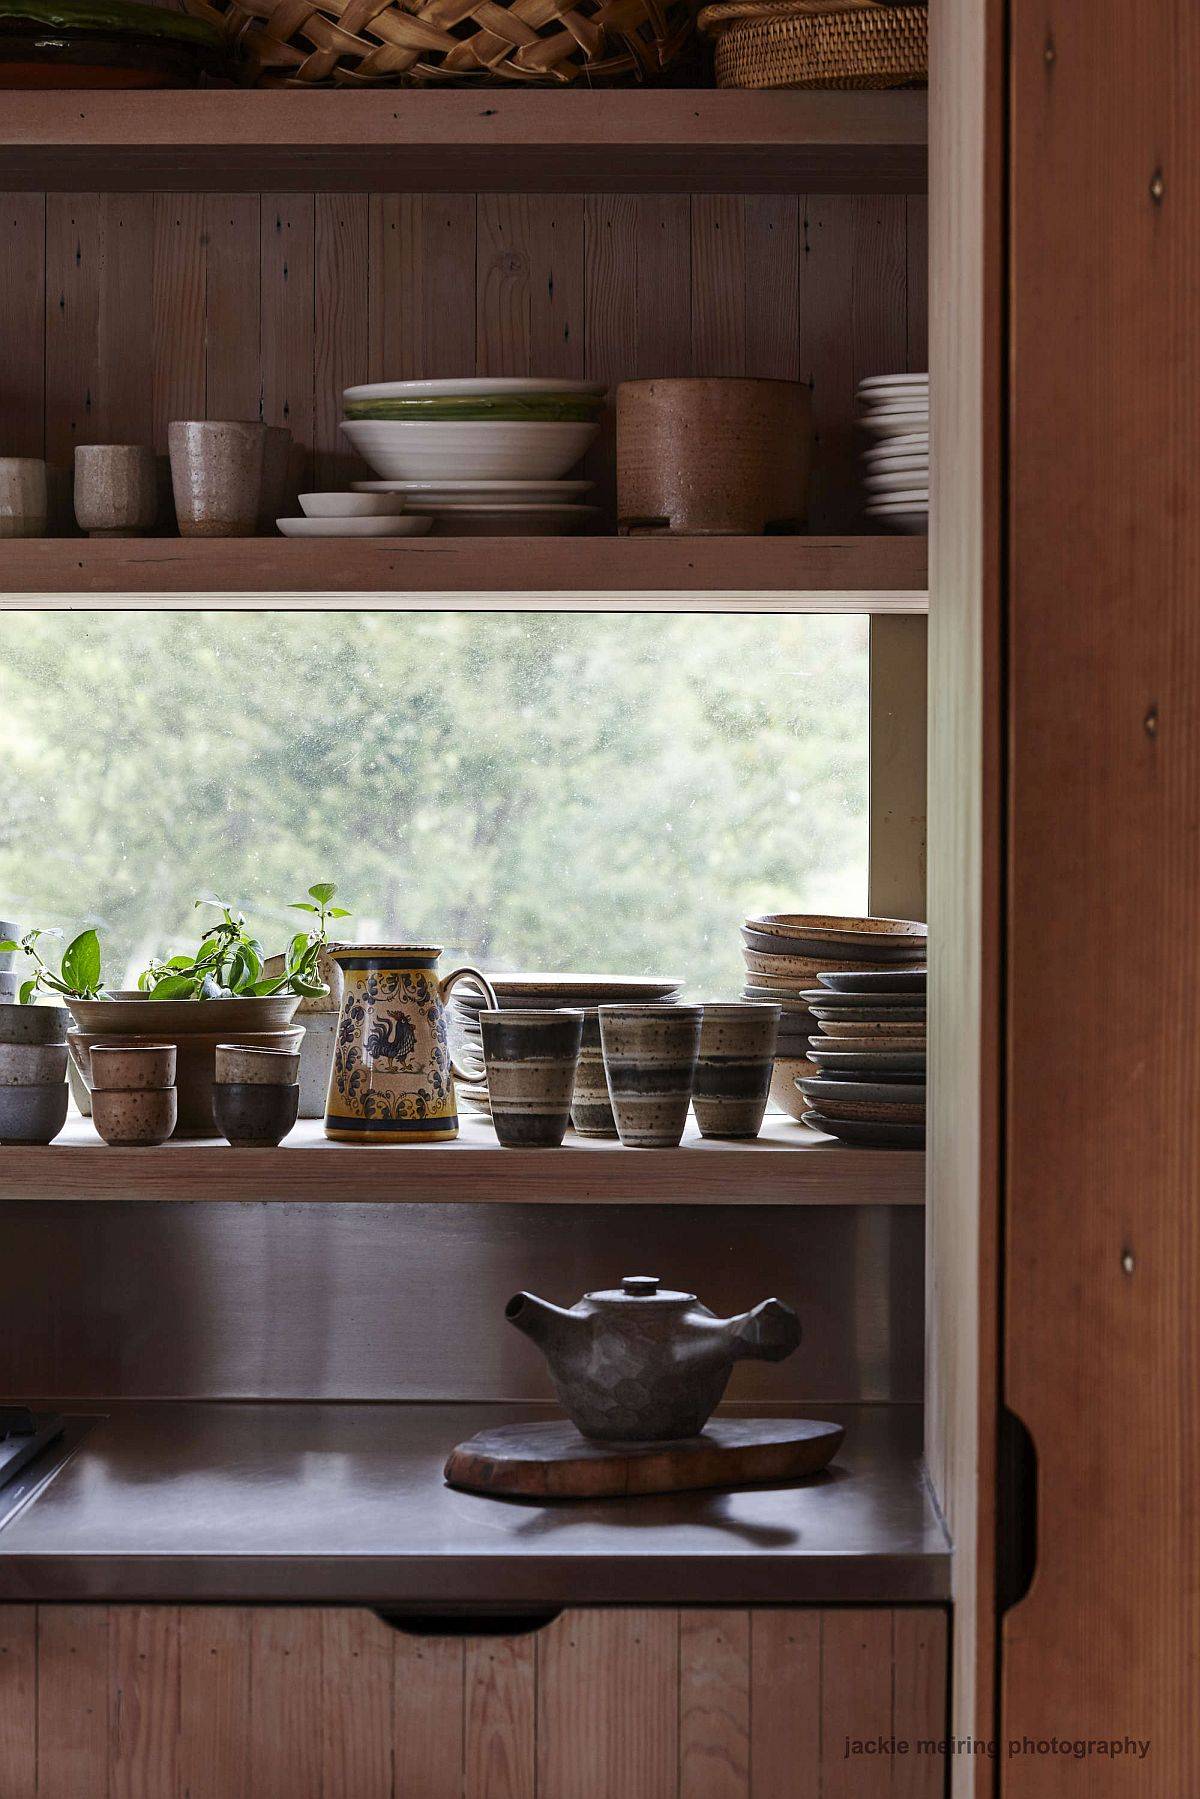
[(894, 412), (482, 455)]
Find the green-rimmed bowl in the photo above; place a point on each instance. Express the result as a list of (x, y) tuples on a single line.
[(507, 409)]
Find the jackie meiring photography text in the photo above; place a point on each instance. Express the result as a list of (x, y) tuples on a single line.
[(1125, 1748)]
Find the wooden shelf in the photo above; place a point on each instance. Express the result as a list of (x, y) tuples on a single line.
[(613, 574), (786, 1165), (640, 140)]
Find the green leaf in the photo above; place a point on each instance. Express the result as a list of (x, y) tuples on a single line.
[(264, 989), (323, 892), (302, 906), (28, 989), (9, 944), (81, 963), (175, 986), (340, 912), (177, 962), (297, 947)]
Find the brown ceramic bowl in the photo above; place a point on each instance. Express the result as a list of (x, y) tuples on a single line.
[(253, 1115), (130, 1068), (32, 1064), (196, 1058), (257, 1067), (139, 1119)]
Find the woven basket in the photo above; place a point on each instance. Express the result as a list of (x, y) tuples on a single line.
[(303, 43), (803, 43)]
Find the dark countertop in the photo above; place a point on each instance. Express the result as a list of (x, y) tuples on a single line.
[(327, 1503)]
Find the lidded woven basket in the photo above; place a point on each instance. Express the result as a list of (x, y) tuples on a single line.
[(356, 43), (818, 43)]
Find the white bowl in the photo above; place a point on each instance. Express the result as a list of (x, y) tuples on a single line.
[(916, 376), (408, 526), (470, 387), (483, 493), (351, 505), (485, 451)]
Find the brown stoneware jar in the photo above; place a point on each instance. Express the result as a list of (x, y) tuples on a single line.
[(734, 1067), (713, 456), (135, 1120), (591, 1108), (216, 475), (531, 1056), (650, 1060)]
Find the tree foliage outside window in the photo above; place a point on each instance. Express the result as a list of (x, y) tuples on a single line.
[(609, 793)]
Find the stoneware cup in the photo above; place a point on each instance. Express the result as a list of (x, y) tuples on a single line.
[(216, 475), (273, 495), (32, 1064), (116, 489), (135, 1120), (23, 503), (734, 1067), (257, 1067), (33, 1024), (132, 1068), (531, 1056), (591, 1108), (32, 1114), (650, 1061), (254, 1115)]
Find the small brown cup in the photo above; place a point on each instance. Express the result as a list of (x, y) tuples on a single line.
[(252, 1115), (137, 1120), (116, 489), (257, 1067), (734, 1067), (132, 1068), (531, 1055), (216, 475)]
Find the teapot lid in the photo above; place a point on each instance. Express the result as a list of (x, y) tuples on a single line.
[(641, 1289)]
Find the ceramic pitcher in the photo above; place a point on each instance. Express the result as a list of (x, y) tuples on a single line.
[(392, 1079)]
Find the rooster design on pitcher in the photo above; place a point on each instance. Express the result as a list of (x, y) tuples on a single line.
[(378, 1032)]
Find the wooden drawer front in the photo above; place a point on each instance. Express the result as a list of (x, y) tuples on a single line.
[(228, 1702)]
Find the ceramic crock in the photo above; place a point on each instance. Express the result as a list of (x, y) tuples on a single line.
[(392, 1079)]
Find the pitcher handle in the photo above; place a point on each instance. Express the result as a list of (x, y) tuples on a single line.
[(444, 988)]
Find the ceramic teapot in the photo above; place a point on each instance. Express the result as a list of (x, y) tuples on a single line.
[(392, 1079), (643, 1364)]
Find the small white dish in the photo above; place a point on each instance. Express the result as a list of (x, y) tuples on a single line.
[(350, 505), (407, 526), (470, 387), (483, 493), (489, 451)]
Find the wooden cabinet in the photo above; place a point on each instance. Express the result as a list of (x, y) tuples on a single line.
[(226, 1702)]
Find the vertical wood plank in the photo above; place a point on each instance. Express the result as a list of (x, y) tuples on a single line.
[(287, 228), (72, 332), (919, 1699), (23, 325), (423, 269), (608, 1698), (897, 777), (125, 320), (143, 1659), (785, 1702), (285, 1702), (18, 1701), (663, 342), (856, 1700), (428, 1714), (853, 322), (530, 285), (718, 285), (357, 1685), (233, 375), (342, 338), (917, 272), (611, 314), (177, 328), (73, 1701), (499, 1717), (214, 1702), (771, 233), (714, 1704)]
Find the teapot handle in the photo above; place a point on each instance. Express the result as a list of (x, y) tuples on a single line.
[(444, 989)]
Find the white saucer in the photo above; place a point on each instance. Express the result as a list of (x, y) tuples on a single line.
[(406, 526), (470, 387), (897, 424), (484, 493)]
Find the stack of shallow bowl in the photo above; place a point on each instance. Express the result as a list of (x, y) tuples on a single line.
[(870, 1050), (584, 991), (485, 455), (786, 952), (894, 412)]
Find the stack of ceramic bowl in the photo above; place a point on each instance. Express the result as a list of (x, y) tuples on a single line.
[(483, 456), (894, 412), (591, 1113), (33, 1072), (355, 515), (786, 952), (870, 1050)]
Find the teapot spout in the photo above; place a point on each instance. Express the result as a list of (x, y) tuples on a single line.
[(539, 1320), (767, 1334)]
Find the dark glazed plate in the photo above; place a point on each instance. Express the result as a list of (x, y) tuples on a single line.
[(869, 1136), (888, 980)]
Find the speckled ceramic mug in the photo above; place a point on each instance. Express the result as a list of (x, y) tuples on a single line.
[(217, 475), (591, 1108), (531, 1056), (116, 489), (734, 1067), (650, 1061), (23, 500)]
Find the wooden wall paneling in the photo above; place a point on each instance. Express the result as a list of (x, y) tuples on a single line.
[(342, 354), (178, 326), (233, 366), (143, 1684), (718, 269), (771, 240), (1102, 1232), (916, 217), (853, 323), (357, 1700), (608, 1697), (785, 1702), (714, 1704), (215, 1702), (23, 325), (72, 1702), (422, 285), (287, 326), (919, 1675), (856, 1699), (499, 1717), (18, 1701), (662, 344), (966, 224), (428, 1717), (287, 1702), (73, 255), (530, 285)]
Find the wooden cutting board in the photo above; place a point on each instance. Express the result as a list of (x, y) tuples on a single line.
[(552, 1461)]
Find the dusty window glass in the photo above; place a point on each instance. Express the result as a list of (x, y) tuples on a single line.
[(608, 793)]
